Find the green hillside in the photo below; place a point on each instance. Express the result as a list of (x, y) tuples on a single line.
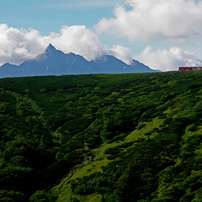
[(127, 137)]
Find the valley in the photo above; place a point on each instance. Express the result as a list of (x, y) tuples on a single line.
[(101, 137)]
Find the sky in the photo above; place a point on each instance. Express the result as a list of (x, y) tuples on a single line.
[(159, 33)]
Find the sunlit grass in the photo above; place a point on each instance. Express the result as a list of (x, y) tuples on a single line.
[(149, 126)]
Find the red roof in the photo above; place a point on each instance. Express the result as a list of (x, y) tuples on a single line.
[(185, 68), (189, 68)]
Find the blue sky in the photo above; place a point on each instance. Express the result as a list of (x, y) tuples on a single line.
[(49, 15), (162, 34)]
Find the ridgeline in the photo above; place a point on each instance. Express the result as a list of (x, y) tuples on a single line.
[(125, 137)]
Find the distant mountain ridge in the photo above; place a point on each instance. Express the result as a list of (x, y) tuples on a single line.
[(55, 62)]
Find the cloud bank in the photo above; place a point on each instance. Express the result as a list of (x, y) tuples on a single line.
[(168, 60), (79, 40), (19, 45), (122, 53), (16, 45), (154, 20)]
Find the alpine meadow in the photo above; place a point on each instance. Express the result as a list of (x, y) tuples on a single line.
[(124, 137)]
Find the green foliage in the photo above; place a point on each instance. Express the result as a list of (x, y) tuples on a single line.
[(39, 196), (132, 137), (8, 195)]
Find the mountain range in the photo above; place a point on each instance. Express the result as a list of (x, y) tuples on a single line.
[(55, 62)]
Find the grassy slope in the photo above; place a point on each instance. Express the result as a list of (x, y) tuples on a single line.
[(64, 189), (99, 98)]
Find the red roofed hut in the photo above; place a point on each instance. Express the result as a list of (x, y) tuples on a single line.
[(185, 69), (190, 68)]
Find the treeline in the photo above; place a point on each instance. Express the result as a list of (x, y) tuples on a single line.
[(146, 126)]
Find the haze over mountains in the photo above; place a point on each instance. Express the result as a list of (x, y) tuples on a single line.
[(55, 62)]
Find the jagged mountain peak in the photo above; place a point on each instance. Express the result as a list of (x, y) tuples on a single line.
[(50, 52), (50, 48)]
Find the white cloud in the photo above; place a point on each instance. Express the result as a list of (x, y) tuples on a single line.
[(17, 45), (122, 53), (168, 60), (154, 19), (79, 40)]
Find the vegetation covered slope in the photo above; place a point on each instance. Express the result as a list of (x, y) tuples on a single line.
[(132, 137)]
